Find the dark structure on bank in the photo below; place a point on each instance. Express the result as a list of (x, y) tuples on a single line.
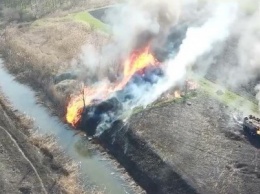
[(251, 126)]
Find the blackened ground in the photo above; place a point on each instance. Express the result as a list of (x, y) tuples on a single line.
[(104, 112), (187, 148), (93, 115), (142, 163)]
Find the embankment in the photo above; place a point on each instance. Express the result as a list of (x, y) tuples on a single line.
[(32, 163), (39, 52), (142, 162)]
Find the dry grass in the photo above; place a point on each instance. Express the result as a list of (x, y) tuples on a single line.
[(68, 174), (46, 48), (69, 181), (36, 54)]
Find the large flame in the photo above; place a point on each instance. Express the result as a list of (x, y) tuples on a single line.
[(137, 61)]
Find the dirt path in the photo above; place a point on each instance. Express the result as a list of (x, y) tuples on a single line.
[(26, 158)]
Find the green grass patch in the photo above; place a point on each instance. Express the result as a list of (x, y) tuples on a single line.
[(82, 17), (87, 18), (228, 98)]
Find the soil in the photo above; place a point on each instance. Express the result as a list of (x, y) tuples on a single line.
[(187, 147), (24, 168)]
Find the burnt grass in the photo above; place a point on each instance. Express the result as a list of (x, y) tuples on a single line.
[(142, 163), (186, 147)]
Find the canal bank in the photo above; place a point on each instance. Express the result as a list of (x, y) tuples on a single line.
[(96, 169)]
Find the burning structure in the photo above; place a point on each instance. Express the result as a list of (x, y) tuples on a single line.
[(251, 125)]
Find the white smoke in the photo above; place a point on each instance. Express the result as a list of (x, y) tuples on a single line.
[(198, 41), (213, 23), (132, 24), (243, 64), (237, 60)]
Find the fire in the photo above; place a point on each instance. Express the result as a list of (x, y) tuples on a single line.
[(258, 132), (137, 61), (76, 104)]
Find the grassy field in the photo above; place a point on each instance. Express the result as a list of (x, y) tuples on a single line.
[(85, 18), (81, 17), (228, 97)]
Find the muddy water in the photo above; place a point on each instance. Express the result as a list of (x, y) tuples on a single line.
[(95, 169)]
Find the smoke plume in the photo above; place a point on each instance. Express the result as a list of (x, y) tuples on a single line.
[(199, 40), (211, 27)]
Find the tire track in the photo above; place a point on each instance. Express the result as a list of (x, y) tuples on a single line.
[(26, 158)]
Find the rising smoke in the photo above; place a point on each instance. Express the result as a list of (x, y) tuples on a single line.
[(133, 24), (211, 25), (198, 41), (236, 59)]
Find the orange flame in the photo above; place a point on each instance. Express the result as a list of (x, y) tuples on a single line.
[(137, 61)]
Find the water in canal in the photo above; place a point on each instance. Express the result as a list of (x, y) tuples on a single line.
[(95, 170)]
